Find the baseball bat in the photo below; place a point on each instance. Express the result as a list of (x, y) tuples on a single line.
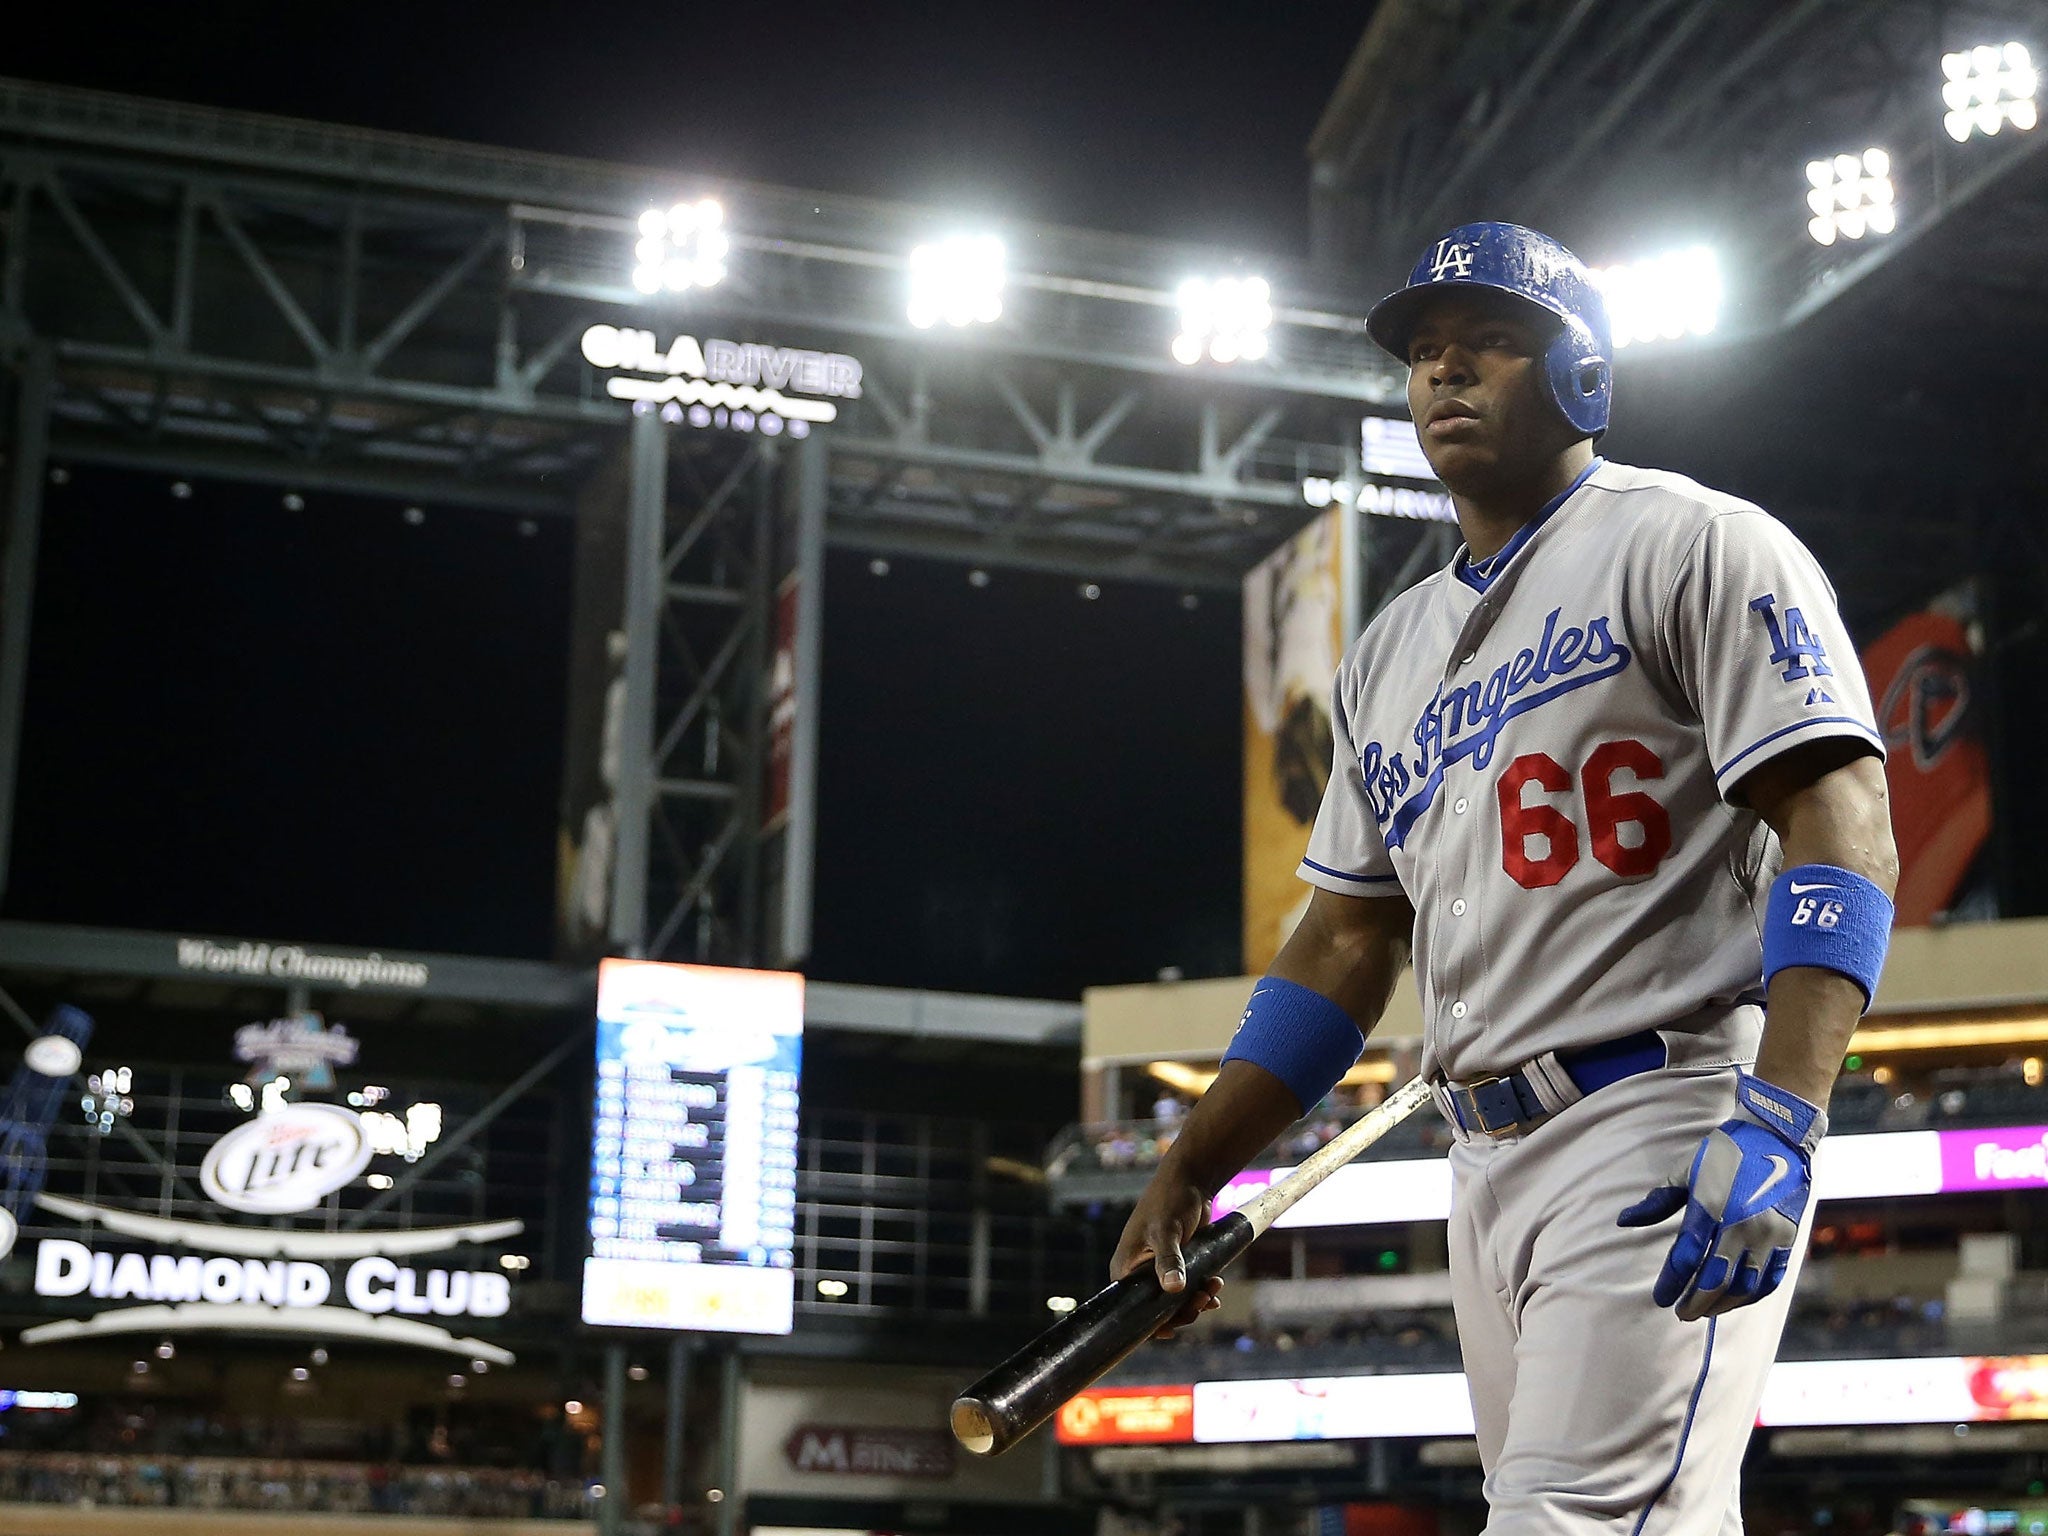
[(1029, 1387)]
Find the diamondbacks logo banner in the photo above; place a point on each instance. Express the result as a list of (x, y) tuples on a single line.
[(1922, 675)]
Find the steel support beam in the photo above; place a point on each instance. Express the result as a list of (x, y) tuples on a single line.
[(808, 473), (28, 468), (646, 510), (376, 341), (617, 1507), (680, 1349), (347, 477)]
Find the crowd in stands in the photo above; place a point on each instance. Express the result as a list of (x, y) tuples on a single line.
[(2010, 1093), (326, 1487), (1427, 1340), (1404, 1341), (502, 1436)]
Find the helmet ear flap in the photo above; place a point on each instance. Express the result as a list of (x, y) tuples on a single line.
[(1581, 380)]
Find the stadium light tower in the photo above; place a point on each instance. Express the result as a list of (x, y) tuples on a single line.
[(1851, 196), (1664, 297), (1226, 318), (1986, 88), (958, 280), (682, 248)]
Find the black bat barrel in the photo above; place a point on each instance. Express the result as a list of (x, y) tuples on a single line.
[(1028, 1388)]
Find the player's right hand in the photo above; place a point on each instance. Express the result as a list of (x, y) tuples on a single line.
[(1169, 1213)]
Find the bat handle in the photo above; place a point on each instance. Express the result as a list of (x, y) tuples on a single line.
[(1028, 1388)]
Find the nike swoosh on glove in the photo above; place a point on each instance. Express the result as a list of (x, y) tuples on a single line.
[(1743, 1199)]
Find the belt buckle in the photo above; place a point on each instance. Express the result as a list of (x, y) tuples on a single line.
[(1467, 1093)]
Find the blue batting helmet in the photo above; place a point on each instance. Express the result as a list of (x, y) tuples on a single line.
[(1506, 258)]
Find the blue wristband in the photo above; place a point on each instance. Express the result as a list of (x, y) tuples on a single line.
[(1829, 918), (1299, 1036)]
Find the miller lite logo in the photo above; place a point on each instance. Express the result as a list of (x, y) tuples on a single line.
[(1451, 258), (287, 1160)]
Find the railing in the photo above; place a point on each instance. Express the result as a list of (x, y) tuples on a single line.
[(1427, 1341), (921, 1215)]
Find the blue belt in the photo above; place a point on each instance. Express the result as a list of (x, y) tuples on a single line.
[(1502, 1106)]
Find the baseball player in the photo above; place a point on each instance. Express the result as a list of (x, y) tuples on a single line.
[(1611, 778)]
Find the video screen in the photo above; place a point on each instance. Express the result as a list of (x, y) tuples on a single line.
[(693, 1148)]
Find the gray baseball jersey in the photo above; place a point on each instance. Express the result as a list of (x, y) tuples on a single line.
[(1539, 753)]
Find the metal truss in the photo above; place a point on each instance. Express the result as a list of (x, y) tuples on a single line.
[(204, 292), (254, 296), (694, 745), (1607, 119)]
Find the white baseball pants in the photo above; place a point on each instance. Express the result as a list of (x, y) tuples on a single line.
[(1596, 1410)]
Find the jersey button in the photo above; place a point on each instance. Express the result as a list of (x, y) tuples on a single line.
[(1461, 805), (1458, 907), (1457, 1010)]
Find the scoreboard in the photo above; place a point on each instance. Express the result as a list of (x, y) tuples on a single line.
[(693, 1148)]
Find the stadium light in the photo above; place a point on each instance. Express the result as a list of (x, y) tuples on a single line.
[(1851, 196), (1664, 297), (1986, 88), (1225, 318), (958, 280), (682, 248)]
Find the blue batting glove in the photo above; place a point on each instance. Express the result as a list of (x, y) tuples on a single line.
[(1743, 1199)]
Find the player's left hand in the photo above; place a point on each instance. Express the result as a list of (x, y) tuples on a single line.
[(1743, 1200)]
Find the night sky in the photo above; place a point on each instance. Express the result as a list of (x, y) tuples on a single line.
[(336, 723)]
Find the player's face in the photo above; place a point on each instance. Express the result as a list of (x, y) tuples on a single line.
[(1476, 390)]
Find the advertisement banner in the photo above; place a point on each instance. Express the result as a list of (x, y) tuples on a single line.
[(1333, 1408), (1921, 672), (1948, 1389), (1128, 1416), (2010, 1157), (1293, 640), (1945, 1389), (1880, 1165)]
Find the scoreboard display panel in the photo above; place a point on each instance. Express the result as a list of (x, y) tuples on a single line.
[(693, 1148)]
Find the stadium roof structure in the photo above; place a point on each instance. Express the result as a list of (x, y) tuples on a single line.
[(1881, 391), (233, 293), (1615, 122)]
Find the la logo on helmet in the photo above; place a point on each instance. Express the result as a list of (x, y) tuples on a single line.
[(1452, 258)]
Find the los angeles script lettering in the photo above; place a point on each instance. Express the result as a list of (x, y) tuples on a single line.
[(1466, 721)]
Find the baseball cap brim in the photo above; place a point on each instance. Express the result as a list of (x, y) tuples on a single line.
[(1392, 321)]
